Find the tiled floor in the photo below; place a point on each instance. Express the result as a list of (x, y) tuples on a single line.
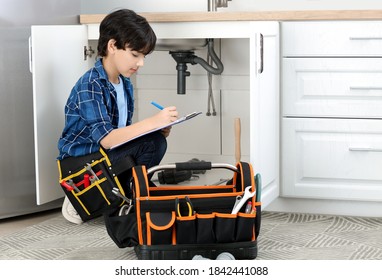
[(10, 225), (283, 236)]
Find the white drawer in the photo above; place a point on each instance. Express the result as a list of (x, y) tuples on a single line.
[(332, 159), (332, 38), (332, 87)]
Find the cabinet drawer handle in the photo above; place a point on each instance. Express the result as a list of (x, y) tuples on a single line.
[(365, 38), (261, 53), (354, 149), (365, 88)]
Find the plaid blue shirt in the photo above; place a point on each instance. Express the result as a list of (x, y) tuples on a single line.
[(91, 112)]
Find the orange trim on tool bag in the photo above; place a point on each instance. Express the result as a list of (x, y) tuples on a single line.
[(186, 218), (225, 215), (136, 181), (207, 195), (205, 216), (156, 227), (173, 241), (234, 179), (252, 174), (139, 221), (246, 215), (137, 202), (148, 232), (150, 225)]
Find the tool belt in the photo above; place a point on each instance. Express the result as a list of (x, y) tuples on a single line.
[(88, 182), (178, 222)]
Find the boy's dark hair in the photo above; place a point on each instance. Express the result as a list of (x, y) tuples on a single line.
[(128, 30)]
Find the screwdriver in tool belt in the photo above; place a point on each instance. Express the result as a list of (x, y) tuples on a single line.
[(86, 180), (248, 208)]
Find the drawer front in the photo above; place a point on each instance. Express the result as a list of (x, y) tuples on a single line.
[(332, 159), (332, 87), (332, 38)]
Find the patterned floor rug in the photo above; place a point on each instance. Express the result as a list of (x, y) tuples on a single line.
[(283, 236)]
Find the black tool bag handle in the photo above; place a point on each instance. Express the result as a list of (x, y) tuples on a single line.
[(200, 165), (244, 176), (180, 166)]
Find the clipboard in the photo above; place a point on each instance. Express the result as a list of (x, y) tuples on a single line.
[(179, 120)]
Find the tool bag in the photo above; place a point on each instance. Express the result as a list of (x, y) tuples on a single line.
[(88, 182), (179, 222)]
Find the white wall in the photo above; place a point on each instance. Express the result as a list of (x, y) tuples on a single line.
[(102, 6)]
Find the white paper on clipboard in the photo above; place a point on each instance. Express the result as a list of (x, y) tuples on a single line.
[(180, 120)]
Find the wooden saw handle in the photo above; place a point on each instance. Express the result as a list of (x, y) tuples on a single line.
[(237, 139)]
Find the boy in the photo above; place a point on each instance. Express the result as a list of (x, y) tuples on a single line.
[(100, 107)]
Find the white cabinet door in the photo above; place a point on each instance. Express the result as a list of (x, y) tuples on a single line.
[(57, 61), (332, 158), (264, 109)]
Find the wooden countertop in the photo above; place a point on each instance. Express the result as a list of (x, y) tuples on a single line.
[(249, 16)]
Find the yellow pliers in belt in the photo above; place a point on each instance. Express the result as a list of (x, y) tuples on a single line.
[(189, 206)]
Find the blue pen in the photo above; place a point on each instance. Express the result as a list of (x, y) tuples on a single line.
[(157, 105)]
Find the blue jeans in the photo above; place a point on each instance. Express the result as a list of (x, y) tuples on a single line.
[(147, 150)]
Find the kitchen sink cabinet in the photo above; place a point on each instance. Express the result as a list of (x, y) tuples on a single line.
[(332, 110), (249, 90)]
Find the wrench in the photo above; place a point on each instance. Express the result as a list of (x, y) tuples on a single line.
[(89, 168), (117, 193), (240, 201), (71, 183)]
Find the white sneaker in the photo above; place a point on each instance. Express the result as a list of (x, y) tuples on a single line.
[(70, 213)]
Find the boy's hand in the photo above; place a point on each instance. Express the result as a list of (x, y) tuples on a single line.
[(166, 131), (167, 115)]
